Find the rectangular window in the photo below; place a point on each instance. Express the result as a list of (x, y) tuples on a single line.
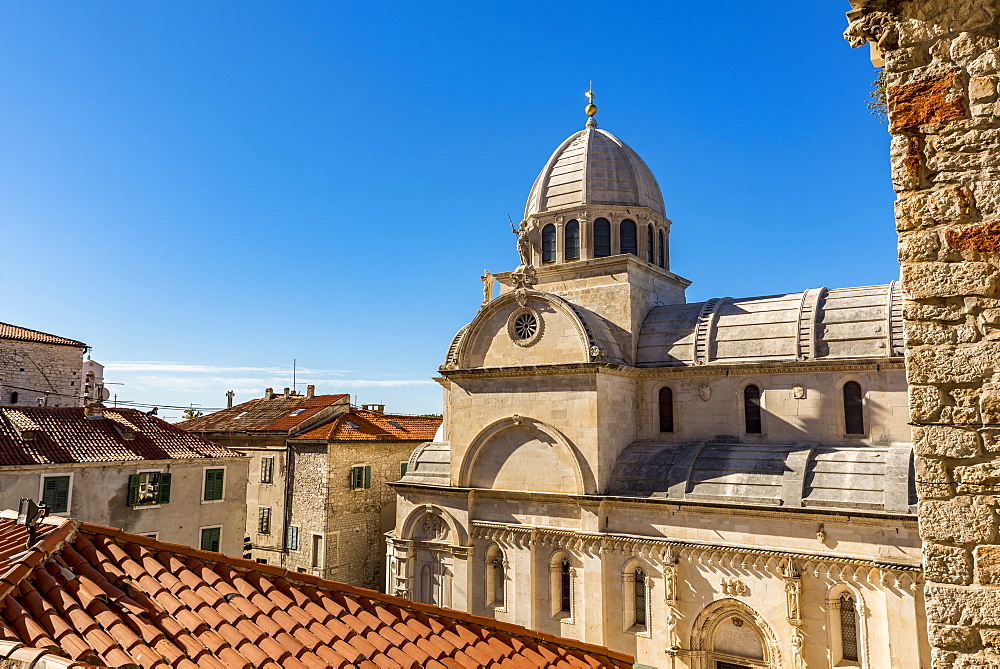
[(402, 468), (361, 477), (267, 470), (214, 480), (262, 560), (148, 488), (211, 538), (56, 492), (292, 541), (317, 551), (264, 520)]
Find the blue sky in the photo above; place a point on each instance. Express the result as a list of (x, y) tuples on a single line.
[(205, 191)]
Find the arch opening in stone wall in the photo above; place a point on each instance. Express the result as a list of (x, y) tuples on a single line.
[(729, 633), (521, 453)]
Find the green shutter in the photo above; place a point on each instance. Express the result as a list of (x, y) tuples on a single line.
[(133, 490), (213, 484), (210, 539), (293, 538), (368, 476), (402, 468), (55, 493), (164, 489)]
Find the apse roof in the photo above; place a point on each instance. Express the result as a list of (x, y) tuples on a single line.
[(99, 596), (594, 167), (817, 324)]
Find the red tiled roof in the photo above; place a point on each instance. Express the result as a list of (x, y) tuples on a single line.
[(8, 331), (47, 435), (99, 595), (363, 425), (264, 415)]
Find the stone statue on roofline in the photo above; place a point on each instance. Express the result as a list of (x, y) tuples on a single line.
[(523, 243)]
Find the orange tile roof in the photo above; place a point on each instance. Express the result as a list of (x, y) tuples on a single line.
[(8, 331), (364, 425), (50, 435), (264, 415), (98, 595)]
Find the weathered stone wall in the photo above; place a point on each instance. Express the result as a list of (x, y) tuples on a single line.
[(941, 90), (40, 371)]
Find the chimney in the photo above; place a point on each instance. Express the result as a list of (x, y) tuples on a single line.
[(229, 398), (286, 393), (376, 408), (93, 411), (310, 392), (269, 393)]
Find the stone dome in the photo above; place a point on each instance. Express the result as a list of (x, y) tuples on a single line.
[(594, 167)]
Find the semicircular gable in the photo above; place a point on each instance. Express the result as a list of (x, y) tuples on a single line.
[(561, 335)]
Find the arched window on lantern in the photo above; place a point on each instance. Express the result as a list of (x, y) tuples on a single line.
[(662, 256), (549, 243), (666, 410), (650, 247), (602, 238), (627, 237), (848, 628), (854, 418), (572, 240), (751, 410)]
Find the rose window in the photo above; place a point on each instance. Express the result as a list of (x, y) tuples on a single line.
[(525, 326)]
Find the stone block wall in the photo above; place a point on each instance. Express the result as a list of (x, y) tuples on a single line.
[(941, 61), (37, 371)]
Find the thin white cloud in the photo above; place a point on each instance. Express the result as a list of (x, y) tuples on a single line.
[(255, 386), (160, 366)]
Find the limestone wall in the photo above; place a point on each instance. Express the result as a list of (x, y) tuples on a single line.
[(32, 369), (941, 59)]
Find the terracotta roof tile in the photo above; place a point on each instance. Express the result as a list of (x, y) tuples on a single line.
[(106, 597), (278, 414), (64, 435), (365, 425), (8, 331)]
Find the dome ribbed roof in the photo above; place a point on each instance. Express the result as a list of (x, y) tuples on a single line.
[(594, 167)]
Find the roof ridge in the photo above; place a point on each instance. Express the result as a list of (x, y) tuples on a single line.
[(66, 341), (315, 581)]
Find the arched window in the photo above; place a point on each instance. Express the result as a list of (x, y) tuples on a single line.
[(854, 419), (626, 235), (602, 238), (751, 409), (639, 598), (13, 397), (666, 410), (565, 587), (848, 628), (496, 577), (572, 240), (549, 243), (662, 260), (650, 249)]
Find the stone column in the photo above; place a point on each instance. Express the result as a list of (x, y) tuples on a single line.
[(940, 72)]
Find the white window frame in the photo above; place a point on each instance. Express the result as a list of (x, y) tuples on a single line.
[(741, 403), (833, 625), (210, 527), (842, 408), (155, 535), (225, 481), (555, 588), (150, 506), (494, 552), (629, 624), (69, 495)]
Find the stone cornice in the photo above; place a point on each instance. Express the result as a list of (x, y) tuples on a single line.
[(774, 367), (666, 550)]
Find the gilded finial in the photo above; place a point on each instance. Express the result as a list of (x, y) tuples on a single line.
[(591, 108)]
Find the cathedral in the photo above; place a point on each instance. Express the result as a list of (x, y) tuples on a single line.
[(717, 485)]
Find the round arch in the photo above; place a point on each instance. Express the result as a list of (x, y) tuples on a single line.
[(427, 519), (585, 482), (712, 619)]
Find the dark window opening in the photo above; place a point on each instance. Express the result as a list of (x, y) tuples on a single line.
[(627, 237), (662, 260), (572, 235), (666, 410), (848, 628), (650, 249), (854, 419), (565, 597), (602, 238), (549, 243), (148, 488), (751, 409), (13, 396), (640, 597)]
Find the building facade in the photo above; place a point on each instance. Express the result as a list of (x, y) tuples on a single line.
[(261, 429), (40, 369), (124, 468), (715, 485), (342, 505)]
